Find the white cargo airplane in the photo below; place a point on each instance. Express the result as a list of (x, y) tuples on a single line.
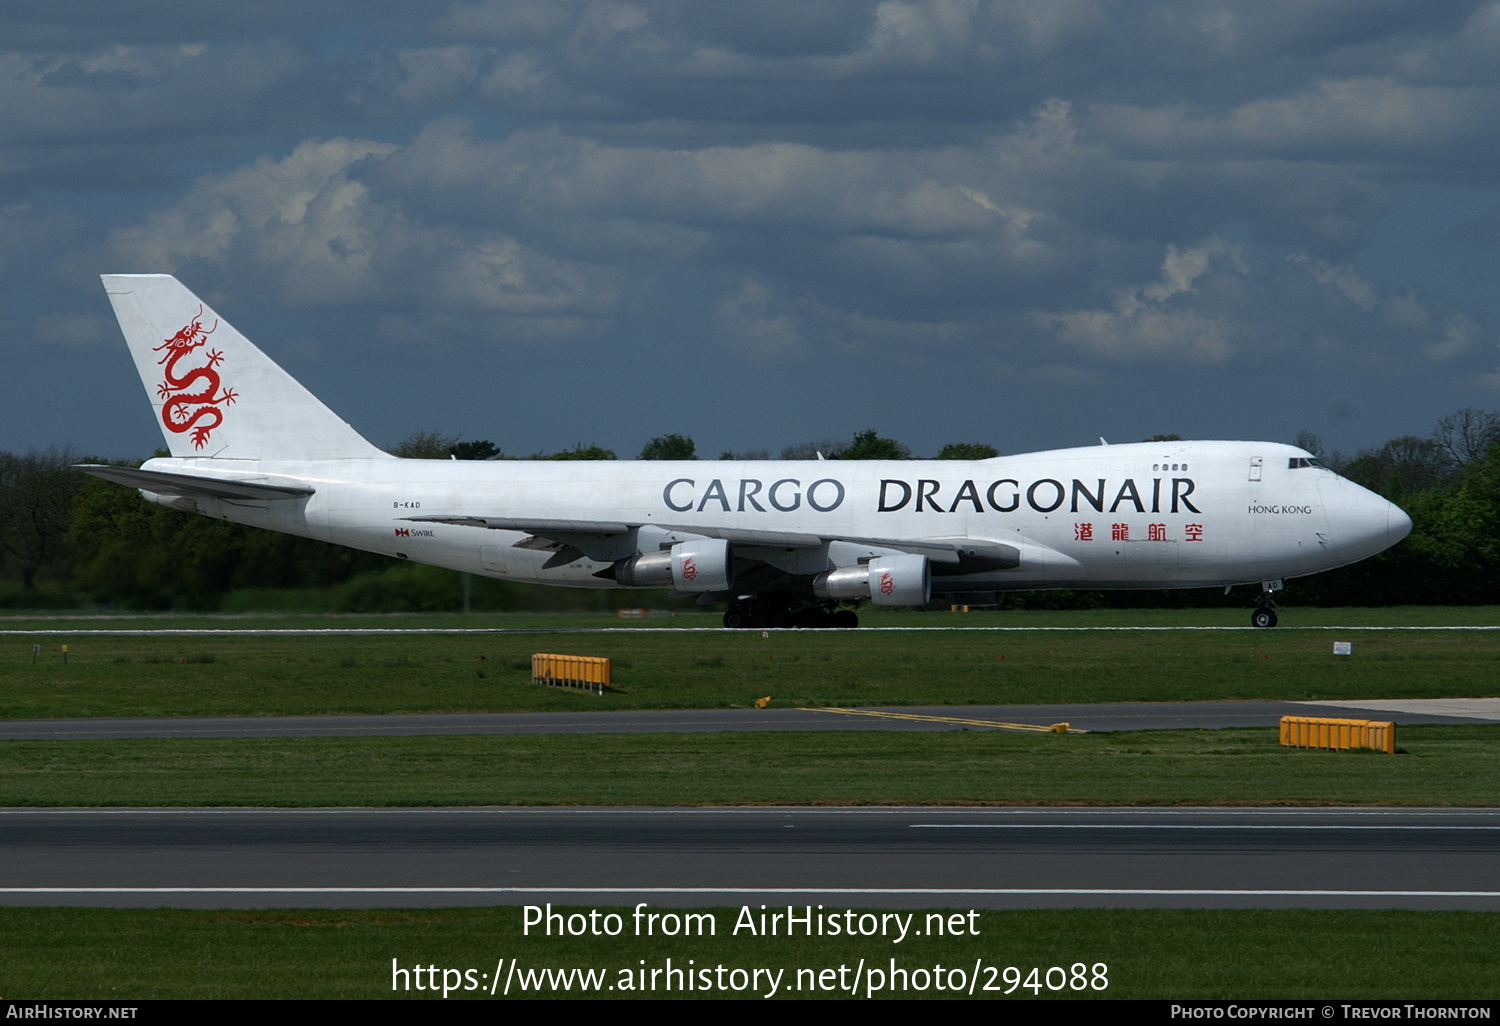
[(784, 543)]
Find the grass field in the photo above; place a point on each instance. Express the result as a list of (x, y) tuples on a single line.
[(1438, 765), (154, 953), (241, 674)]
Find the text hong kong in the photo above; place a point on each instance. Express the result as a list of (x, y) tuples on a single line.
[(930, 495)]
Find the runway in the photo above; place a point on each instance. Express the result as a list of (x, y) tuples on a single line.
[(891, 858)]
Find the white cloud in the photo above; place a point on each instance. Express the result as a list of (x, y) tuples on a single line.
[(1151, 322), (919, 33), (307, 223), (1460, 335), (130, 94), (753, 320), (77, 330), (301, 219), (440, 72), (1341, 277)]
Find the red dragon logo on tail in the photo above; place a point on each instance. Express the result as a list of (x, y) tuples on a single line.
[(192, 394)]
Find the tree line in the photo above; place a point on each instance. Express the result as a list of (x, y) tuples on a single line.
[(68, 540), (865, 445)]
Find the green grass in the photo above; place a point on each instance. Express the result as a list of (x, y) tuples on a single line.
[(1439, 765), (197, 675), (130, 954)]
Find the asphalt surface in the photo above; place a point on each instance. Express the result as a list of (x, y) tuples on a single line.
[(891, 858), (1115, 716), (894, 858)]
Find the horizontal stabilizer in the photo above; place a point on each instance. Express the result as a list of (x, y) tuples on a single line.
[(164, 483)]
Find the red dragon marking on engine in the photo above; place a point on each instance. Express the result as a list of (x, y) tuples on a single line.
[(184, 410)]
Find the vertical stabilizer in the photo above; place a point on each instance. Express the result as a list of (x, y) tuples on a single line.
[(215, 394)]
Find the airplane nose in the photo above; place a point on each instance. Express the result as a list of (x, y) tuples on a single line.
[(1365, 523), (1398, 524)]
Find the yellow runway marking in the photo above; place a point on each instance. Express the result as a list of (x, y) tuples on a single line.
[(994, 724)]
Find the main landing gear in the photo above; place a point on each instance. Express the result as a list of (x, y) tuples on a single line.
[(748, 615), (1265, 605)]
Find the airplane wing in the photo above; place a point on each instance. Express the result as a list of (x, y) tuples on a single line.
[(548, 528), (947, 555), (164, 483)]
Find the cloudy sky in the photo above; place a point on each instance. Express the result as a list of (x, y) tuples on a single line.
[(549, 222)]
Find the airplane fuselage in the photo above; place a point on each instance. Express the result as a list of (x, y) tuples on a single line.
[(1146, 515)]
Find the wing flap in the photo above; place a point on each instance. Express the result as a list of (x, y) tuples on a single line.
[(528, 525), (948, 555), (743, 536)]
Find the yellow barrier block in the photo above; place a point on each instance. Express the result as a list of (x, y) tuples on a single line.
[(587, 673), (1338, 734)]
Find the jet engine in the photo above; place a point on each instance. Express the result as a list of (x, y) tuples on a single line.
[(904, 580), (692, 566)]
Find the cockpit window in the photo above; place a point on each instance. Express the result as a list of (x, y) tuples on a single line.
[(1298, 462)]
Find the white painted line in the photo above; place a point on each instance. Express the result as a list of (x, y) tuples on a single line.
[(881, 891), (1237, 812), (1372, 828), (356, 631)]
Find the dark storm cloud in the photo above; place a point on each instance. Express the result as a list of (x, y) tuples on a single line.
[(799, 199), (86, 25)]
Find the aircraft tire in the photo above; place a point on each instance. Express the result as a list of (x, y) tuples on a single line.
[(846, 619), (734, 618), (1263, 617)]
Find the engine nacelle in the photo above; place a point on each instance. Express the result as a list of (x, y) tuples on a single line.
[(693, 566), (705, 565), (904, 580)]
